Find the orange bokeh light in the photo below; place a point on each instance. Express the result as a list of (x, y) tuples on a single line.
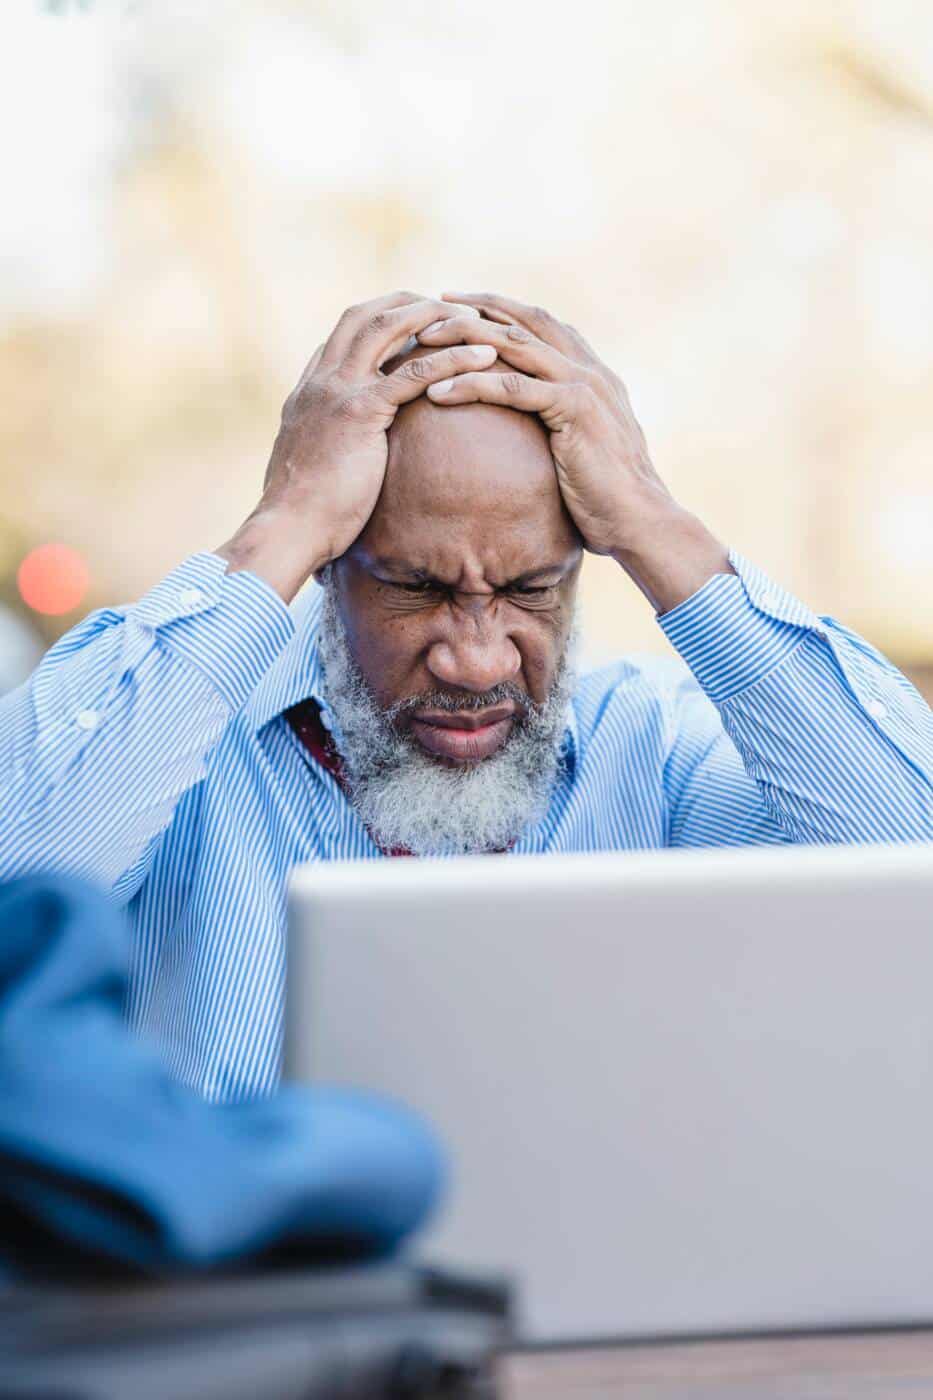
[(53, 579)]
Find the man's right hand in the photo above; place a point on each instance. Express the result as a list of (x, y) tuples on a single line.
[(329, 458)]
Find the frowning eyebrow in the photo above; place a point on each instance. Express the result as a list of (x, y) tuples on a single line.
[(404, 570)]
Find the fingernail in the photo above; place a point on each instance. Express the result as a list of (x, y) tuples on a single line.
[(434, 326), (443, 386), (482, 352)]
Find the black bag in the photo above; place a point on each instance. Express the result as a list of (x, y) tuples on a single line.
[(384, 1330)]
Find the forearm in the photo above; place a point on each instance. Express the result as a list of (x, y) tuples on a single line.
[(119, 719), (838, 743), (278, 545), (671, 555), (827, 769)]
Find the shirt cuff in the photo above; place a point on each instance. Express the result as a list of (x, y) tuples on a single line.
[(230, 626), (737, 628)]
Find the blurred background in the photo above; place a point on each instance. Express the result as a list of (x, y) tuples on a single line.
[(733, 200)]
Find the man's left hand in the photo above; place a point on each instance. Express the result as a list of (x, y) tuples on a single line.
[(609, 485)]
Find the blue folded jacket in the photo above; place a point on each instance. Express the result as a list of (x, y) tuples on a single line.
[(105, 1157)]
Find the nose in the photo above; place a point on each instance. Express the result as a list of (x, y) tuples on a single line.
[(474, 655)]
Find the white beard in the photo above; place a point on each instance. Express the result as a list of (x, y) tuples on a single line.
[(410, 800)]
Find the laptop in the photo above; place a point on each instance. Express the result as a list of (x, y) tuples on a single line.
[(682, 1092)]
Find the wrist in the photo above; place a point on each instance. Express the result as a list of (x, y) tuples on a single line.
[(277, 546), (671, 556)]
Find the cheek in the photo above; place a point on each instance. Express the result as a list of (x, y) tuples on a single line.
[(388, 651), (541, 646)]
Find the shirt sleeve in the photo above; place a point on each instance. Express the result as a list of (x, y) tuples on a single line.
[(117, 722), (838, 743)]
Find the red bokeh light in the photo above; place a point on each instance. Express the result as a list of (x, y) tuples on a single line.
[(53, 579)]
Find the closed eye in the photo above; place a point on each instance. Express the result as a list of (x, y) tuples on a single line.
[(534, 596), (422, 586)]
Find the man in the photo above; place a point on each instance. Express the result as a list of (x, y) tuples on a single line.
[(178, 750)]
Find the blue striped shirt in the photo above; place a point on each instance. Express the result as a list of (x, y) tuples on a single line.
[(149, 752)]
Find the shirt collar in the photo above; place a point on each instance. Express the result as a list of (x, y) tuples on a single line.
[(296, 673)]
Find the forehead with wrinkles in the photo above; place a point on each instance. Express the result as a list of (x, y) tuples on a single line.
[(469, 490)]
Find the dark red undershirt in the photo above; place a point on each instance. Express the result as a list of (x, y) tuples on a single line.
[(306, 723)]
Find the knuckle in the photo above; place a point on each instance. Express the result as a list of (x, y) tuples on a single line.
[(376, 322), (332, 389), (584, 397), (348, 406), (418, 369), (351, 312), (377, 391), (519, 334), (513, 383)]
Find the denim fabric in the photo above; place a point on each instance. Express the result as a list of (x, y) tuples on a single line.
[(105, 1157)]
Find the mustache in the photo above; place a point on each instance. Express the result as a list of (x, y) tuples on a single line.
[(449, 702)]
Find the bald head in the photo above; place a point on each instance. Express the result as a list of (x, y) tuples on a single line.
[(473, 480)]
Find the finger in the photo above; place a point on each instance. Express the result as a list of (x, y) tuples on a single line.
[(512, 390), (534, 318), (515, 344), (341, 337), (385, 332), (414, 376), (487, 309)]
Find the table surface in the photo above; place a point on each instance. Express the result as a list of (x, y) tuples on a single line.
[(828, 1366)]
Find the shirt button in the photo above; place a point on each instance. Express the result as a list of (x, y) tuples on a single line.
[(877, 710), (191, 598), (87, 719)]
